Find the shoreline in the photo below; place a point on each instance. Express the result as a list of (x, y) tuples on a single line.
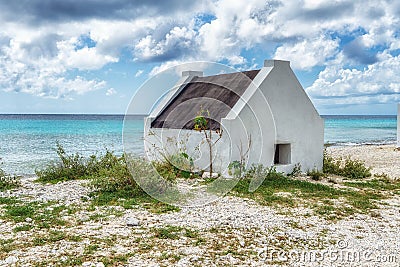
[(387, 156), (350, 144)]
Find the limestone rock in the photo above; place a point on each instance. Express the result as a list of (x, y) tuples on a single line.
[(131, 221)]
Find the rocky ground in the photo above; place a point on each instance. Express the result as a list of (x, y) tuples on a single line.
[(56, 225)]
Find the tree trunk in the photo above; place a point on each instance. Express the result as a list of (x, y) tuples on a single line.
[(211, 159)]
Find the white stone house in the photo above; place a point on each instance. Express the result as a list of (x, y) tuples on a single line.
[(265, 116)]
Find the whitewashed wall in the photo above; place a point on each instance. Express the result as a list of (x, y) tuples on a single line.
[(296, 119)]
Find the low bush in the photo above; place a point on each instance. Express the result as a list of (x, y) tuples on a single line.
[(382, 176), (315, 174), (131, 181), (75, 166), (112, 177), (68, 167), (259, 171), (111, 174), (8, 181), (124, 176), (236, 169), (296, 170), (353, 169), (331, 165), (176, 166)]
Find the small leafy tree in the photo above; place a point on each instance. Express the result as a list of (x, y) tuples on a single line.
[(201, 124)]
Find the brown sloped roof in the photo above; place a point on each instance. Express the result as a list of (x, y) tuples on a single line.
[(217, 94)]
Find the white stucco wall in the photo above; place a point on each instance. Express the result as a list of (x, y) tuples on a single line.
[(294, 120), (297, 122), (252, 119), (172, 142)]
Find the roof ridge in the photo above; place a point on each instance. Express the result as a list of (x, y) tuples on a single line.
[(230, 73)]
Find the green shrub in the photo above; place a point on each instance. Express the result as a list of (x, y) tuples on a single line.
[(353, 169), (273, 174), (69, 167), (258, 171), (111, 174), (75, 166), (296, 170), (167, 232), (176, 166), (182, 162), (331, 165), (8, 181), (124, 176), (112, 177), (315, 174), (148, 178), (261, 173), (130, 181), (236, 169)]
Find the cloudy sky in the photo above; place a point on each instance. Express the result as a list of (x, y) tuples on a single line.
[(70, 56)]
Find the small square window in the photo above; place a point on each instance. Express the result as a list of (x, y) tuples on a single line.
[(282, 154)]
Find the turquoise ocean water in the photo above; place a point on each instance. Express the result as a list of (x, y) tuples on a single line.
[(28, 141)]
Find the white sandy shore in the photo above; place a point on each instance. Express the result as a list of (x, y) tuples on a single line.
[(381, 158), (230, 232)]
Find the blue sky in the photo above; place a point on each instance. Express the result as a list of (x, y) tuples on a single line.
[(91, 56)]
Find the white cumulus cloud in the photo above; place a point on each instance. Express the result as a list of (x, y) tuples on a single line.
[(111, 92), (377, 83), (308, 52)]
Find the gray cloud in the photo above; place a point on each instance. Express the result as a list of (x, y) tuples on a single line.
[(173, 52), (376, 13), (38, 11), (262, 14), (4, 42), (175, 44), (396, 8), (45, 46), (356, 51), (331, 10)]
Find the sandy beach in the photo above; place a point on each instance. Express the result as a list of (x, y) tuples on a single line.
[(232, 231)]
